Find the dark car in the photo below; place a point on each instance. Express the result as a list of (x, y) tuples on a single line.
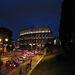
[(7, 63), (14, 64)]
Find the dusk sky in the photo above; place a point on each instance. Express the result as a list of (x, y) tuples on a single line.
[(19, 14)]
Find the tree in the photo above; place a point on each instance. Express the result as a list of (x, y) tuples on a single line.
[(67, 24), (6, 33), (47, 46)]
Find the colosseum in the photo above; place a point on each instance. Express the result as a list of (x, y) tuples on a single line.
[(35, 37)]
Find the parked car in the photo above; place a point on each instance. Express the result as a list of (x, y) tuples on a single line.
[(7, 63), (14, 64)]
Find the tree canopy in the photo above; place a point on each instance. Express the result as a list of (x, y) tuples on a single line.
[(6, 33), (67, 24)]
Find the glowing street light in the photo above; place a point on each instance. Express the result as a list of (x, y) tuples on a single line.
[(6, 39), (30, 45), (5, 44)]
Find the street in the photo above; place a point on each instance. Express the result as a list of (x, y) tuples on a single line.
[(15, 71), (35, 60)]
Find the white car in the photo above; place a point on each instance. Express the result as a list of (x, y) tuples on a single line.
[(21, 60)]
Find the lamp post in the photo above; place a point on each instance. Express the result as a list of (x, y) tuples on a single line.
[(10, 47), (5, 44), (30, 46)]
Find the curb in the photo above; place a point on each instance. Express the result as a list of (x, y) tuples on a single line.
[(35, 66)]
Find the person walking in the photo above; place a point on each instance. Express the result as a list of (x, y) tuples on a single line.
[(20, 71), (30, 61), (27, 68)]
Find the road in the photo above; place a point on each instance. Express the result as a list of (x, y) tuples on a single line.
[(6, 70), (15, 71), (35, 61)]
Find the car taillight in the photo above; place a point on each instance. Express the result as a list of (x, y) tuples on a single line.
[(14, 65), (10, 64)]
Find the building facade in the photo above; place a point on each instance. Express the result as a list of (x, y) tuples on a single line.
[(34, 38)]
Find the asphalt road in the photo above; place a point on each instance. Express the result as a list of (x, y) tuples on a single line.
[(15, 71), (6, 70), (35, 60)]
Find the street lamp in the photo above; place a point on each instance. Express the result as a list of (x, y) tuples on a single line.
[(30, 45), (10, 47), (5, 44)]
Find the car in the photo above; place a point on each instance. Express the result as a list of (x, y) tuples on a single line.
[(31, 54), (14, 64), (21, 60), (7, 63), (16, 59), (24, 58)]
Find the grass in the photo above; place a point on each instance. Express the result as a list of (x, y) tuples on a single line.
[(50, 66)]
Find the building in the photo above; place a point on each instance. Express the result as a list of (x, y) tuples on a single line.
[(35, 37)]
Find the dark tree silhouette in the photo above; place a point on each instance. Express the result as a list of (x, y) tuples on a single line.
[(6, 33), (48, 48), (67, 25)]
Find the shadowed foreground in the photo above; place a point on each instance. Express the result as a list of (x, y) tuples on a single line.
[(54, 65)]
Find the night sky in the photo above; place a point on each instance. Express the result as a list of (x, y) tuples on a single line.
[(19, 14)]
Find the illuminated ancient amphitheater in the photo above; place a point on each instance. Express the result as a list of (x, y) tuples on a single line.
[(35, 37)]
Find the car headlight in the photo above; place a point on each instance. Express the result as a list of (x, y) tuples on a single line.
[(24, 57)]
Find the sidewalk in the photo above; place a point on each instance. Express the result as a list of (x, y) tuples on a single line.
[(34, 63)]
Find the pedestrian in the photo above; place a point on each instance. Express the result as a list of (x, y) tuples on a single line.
[(27, 68), (20, 71), (30, 62)]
